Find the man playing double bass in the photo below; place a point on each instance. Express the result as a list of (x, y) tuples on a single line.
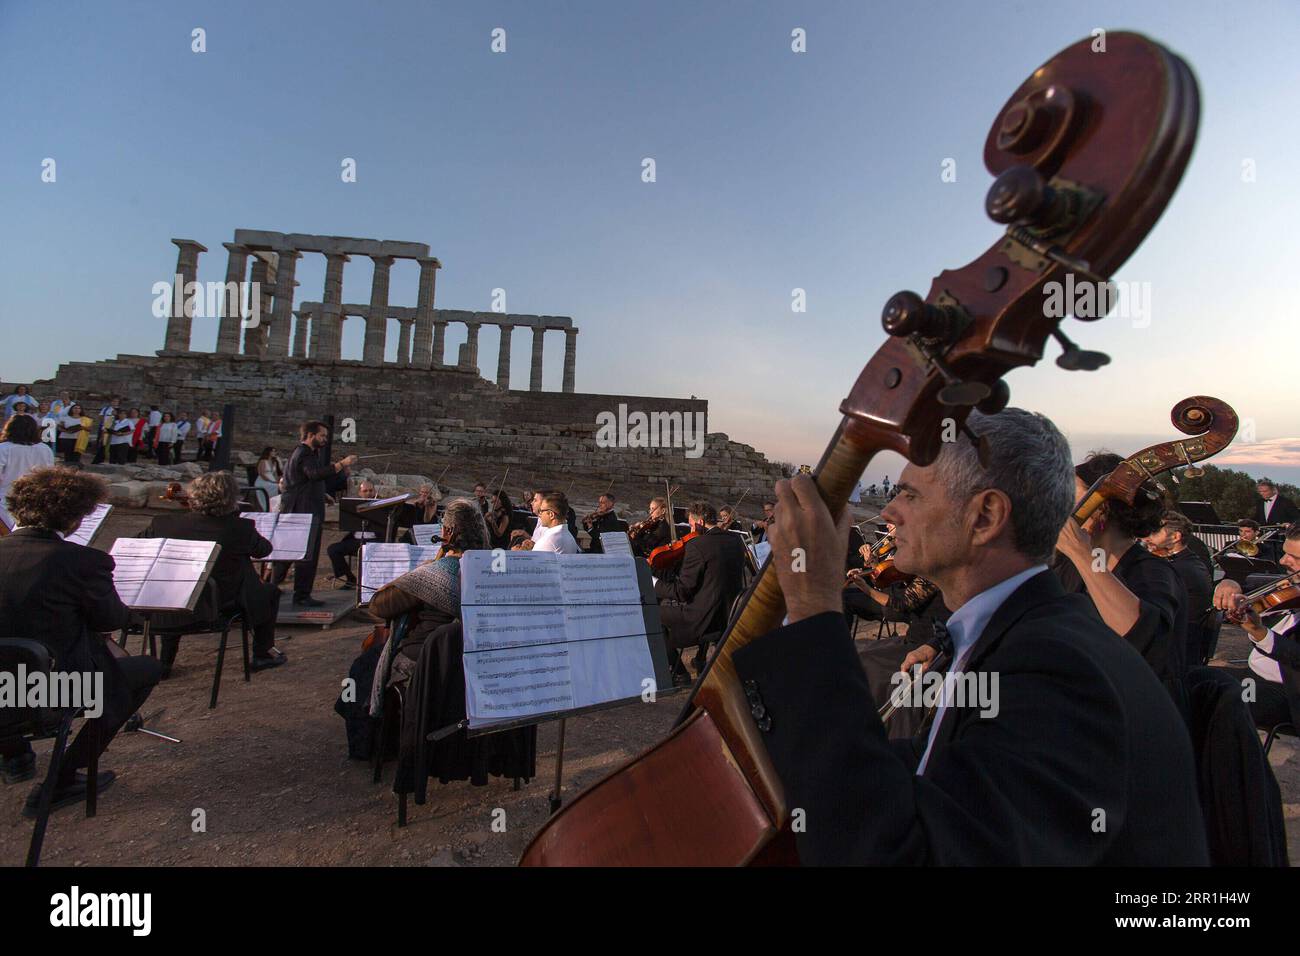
[(1074, 756)]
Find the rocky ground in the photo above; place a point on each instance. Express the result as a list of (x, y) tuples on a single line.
[(269, 771)]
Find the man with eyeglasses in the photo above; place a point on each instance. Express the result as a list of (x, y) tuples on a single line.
[(553, 533)]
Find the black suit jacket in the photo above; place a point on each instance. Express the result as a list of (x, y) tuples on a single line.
[(57, 593), (710, 577), (237, 580), (1085, 762), (606, 522), (308, 477), (1284, 511)]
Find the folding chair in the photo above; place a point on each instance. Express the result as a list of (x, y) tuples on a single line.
[(1284, 728), (42, 723), (206, 618)]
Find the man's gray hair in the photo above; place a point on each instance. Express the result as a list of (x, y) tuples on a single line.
[(1029, 462), (463, 527)]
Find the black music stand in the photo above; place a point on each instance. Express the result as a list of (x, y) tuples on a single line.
[(1199, 512), (1238, 567), (362, 514)]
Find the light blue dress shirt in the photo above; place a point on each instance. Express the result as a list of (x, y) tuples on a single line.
[(965, 627)]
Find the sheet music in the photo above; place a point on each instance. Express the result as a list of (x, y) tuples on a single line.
[(760, 551), (288, 533), (615, 542), (161, 573), (427, 534), (383, 564), (547, 632), (380, 502), (90, 526)]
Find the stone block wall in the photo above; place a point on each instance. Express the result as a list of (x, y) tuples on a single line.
[(429, 417)]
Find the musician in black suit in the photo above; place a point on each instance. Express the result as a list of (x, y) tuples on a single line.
[(214, 516), (602, 520), (1273, 508), (759, 529), (1173, 542), (1072, 754), (308, 477), (1272, 674), (695, 601), (1139, 596), (350, 544), (62, 594)]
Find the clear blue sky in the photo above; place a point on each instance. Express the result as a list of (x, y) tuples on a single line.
[(522, 171)]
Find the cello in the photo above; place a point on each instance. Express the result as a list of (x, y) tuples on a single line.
[(1086, 154)]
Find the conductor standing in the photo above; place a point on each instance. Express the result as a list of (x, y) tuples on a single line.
[(308, 478)]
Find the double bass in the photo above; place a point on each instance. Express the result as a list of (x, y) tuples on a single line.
[(1086, 154), (1212, 423)]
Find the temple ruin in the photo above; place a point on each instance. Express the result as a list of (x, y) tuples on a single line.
[(314, 331)]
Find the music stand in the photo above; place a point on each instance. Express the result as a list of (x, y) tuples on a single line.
[(375, 516), (1199, 512)]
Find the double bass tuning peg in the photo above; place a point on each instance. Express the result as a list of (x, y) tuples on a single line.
[(1075, 359)]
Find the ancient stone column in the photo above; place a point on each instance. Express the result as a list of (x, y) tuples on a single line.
[(330, 318), (439, 343), (423, 356), (232, 299), (404, 342), (313, 319), (503, 357), (471, 346), (277, 339), (262, 276), (570, 358), (177, 337), (300, 334), (535, 378), (372, 352)]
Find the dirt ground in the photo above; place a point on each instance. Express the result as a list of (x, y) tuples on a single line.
[(269, 769)]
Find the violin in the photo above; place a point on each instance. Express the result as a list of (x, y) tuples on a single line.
[(1280, 595), (668, 556), (1086, 153), (175, 492)]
